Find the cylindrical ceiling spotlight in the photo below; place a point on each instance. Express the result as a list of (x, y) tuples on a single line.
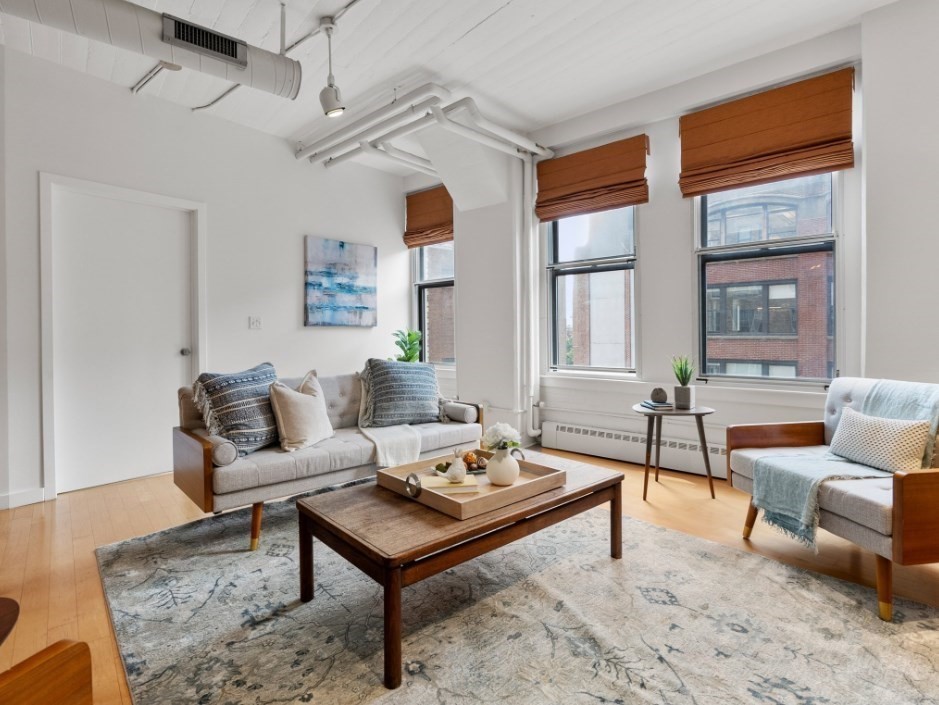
[(330, 96)]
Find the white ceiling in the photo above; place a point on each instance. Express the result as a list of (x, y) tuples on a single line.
[(528, 63)]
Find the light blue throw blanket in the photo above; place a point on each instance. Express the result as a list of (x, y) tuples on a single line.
[(906, 400), (786, 487)]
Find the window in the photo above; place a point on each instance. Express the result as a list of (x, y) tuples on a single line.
[(591, 267), (766, 260), (435, 303)]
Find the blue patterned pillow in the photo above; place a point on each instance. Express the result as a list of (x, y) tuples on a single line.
[(398, 393), (238, 406)]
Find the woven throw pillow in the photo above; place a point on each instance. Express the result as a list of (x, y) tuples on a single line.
[(398, 393), (301, 415), (887, 444), (238, 406)]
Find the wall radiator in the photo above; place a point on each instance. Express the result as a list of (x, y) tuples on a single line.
[(628, 446)]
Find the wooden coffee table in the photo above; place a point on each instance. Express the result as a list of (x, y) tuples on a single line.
[(397, 541)]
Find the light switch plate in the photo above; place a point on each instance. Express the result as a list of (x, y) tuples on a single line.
[(254, 323)]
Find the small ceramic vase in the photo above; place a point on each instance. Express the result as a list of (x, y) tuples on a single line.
[(502, 468)]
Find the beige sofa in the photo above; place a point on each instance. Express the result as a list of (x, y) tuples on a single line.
[(896, 518), (208, 469)]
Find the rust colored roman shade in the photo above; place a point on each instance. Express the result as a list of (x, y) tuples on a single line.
[(796, 130), (429, 217), (611, 176)]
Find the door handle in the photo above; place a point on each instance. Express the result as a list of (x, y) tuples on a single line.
[(185, 352)]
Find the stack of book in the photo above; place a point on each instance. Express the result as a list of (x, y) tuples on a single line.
[(658, 405)]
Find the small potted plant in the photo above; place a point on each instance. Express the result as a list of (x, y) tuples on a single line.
[(501, 439), (409, 343), (683, 368)]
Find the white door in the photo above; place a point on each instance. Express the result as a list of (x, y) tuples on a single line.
[(121, 314)]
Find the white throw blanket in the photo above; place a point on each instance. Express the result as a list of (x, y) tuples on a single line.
[(394, 445)]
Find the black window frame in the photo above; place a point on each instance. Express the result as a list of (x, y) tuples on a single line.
[(421, 286), (761, 249), (556, 270)]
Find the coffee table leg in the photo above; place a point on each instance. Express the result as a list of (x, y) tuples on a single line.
[(392, 627), (616, 521), (645, 481), (306, 558), (658, 445), (704, 449)]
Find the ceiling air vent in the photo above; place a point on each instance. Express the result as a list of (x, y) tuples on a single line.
[(204, 41)]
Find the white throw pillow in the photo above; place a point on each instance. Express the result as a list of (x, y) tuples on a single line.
[(301, 415), (887, 444)]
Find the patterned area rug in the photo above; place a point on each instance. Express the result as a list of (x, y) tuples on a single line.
[(551, 618)]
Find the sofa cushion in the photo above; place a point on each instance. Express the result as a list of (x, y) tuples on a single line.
[(238, 406), (867, 502), (742, 460), (301, 415), (443, 435), (347, 449), (224, 451), (342, 399), (399, 393), (458, 411), (887, 444)]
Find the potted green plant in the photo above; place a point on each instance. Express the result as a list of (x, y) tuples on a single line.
[(683, 368), (409, 343)]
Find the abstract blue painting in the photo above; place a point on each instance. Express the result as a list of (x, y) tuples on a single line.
[(341, 283)]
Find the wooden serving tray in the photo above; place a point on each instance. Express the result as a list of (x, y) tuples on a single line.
[(533, 479)]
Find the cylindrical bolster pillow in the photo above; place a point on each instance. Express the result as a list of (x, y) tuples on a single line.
[(464, 413), (224, 451)]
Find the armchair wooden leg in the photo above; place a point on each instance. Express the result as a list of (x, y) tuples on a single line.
[(885, 588), (256, 512), (752, 511)]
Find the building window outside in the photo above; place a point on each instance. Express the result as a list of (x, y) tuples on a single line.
[(591, 272), (766, 259), (434, 288)]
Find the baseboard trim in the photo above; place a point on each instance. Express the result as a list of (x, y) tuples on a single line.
[(21, 498)]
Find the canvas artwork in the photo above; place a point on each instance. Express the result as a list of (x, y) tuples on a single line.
[(341, 283)]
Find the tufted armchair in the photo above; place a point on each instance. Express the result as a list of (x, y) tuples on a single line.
[(895, 518)]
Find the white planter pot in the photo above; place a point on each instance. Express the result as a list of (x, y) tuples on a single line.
[(684, 397), (502, 468)]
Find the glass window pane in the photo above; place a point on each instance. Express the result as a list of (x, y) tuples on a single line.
[(795, 338), (782, 309), (744, 369), (594, 320), (798, 207), (745, 306), (438, 340), (713, 305), (437, 261), (605, 234)]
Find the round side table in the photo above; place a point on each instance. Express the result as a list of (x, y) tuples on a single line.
[(655, 417)]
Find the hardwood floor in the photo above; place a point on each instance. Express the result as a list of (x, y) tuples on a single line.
[(47, 560)]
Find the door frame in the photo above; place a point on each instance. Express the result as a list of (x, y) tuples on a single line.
[(49, 184)]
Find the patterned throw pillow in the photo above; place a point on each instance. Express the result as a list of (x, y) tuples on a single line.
[(238, 406), (887, 444), (398, 393)]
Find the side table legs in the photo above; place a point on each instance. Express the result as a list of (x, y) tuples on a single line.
[(704, 449), (649, 431), (658, 445)]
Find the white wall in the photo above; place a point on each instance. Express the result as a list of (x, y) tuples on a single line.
[(901, 152), (261, 201)]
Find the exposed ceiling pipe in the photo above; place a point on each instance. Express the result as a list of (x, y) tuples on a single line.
[(366, 148), (153, 73), (469, 133), (489, 126), (356, 131), (406, 129), (138, 29), (406, 156)]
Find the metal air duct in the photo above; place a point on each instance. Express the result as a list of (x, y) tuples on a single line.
[(135, 28)]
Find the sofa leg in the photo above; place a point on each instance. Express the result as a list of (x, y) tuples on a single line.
[(256, 512), (885, 588), (751, 520)]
